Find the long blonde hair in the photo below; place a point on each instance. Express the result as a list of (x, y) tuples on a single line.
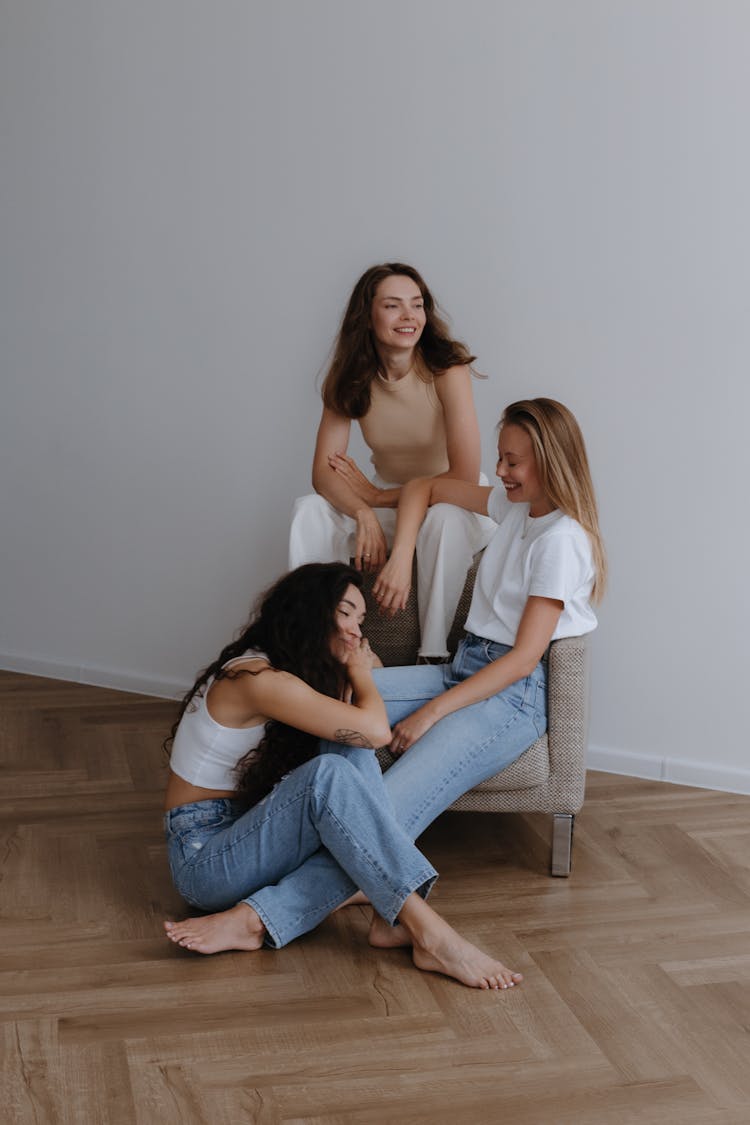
[(563, 467)]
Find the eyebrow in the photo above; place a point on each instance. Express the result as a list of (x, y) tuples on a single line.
[(387, 297), (346, 601)]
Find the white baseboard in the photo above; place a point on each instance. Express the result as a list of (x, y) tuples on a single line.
[(95, 675), (677, 771)]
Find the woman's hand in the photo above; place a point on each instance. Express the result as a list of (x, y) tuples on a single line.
[(412, 728), (349, 470), (359, 662), (391, 587), (370, 549), (361, 659)]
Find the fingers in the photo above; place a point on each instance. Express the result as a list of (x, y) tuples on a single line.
[(362, 552), (341, 463), (377, 559), (401, 741), (391, 597), (367, 560), (389, 607), (362, 656), (350, 471)]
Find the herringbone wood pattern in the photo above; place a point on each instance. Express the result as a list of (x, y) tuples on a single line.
[(635, 1008)]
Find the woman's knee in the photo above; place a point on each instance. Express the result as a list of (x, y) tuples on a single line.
[(334, 783), (446, 516), (326, 769), (313, 506)]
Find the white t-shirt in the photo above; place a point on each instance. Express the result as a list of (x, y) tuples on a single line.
[(543, 556)]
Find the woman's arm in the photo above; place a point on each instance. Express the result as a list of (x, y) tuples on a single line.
[(463, 441), (540, 617), (391, 588), (285, 697), (333, 438)]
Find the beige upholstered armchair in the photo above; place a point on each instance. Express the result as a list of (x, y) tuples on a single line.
[(548, 777)]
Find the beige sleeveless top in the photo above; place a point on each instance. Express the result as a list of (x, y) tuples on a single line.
[(405, 429)]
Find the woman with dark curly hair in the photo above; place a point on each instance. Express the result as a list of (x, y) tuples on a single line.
[(397, 371), (250, 799)]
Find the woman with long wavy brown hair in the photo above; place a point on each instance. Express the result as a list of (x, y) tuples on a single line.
[(398, 372), (250, 799)]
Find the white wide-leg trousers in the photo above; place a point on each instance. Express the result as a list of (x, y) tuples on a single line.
[(447, 542)]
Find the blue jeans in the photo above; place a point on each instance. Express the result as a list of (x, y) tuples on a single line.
[(220, 854), (455, 755), (463, 748)]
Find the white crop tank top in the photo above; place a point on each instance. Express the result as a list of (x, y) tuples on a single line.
[(204, 752)]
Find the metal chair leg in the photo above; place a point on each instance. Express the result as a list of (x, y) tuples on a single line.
[(562, 843)]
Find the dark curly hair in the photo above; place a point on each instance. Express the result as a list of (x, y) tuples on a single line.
[(355, 363), (292, 623)]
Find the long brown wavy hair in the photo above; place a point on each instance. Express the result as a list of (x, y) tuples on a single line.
[(355, 363), (292, 624), (563, 467)]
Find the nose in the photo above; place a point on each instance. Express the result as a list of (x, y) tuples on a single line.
[(353, 628)]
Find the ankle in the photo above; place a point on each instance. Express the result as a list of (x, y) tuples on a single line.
[(250, 918)]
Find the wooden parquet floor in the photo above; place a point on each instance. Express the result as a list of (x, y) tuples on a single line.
[(635, 1007)]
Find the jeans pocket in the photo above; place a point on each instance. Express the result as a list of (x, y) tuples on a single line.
[(189, 827)]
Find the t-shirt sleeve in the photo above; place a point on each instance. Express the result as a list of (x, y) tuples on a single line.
[(560, 566), (498, 504)]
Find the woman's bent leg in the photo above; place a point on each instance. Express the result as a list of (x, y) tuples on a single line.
[(325, 800), (446, 544), (299, 901), (294, 902), (319, 532), (464, 749), (366, 844)]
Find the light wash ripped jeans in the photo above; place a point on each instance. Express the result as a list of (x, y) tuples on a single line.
[(220, 853)]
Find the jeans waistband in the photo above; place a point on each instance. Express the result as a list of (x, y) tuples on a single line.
[(498, 647)]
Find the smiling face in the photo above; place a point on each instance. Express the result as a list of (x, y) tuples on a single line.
[(350, 613), (516, 468), (397, 315)]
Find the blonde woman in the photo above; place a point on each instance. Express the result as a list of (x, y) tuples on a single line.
[(543, 569)]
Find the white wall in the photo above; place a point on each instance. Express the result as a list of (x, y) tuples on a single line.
[(189, 191)]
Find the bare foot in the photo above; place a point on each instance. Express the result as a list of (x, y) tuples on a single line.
[(236, 928), (458, 958), (383, 936)]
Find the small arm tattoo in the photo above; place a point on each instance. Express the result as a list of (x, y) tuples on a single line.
[(352, 738)]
